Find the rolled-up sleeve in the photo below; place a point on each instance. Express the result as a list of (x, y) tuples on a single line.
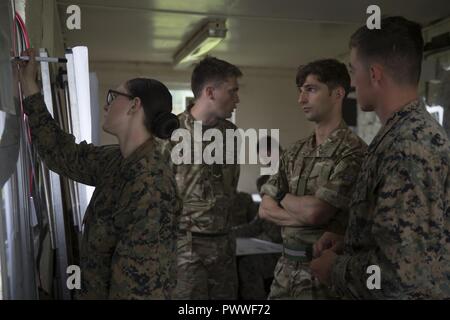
[(277, 181)]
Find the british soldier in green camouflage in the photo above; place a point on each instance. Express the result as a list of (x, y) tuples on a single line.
[(206, 255), (311, 191)]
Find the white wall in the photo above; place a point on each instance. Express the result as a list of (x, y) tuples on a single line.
[(44, 27), (268, 101)]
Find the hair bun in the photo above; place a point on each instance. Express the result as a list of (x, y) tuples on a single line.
[(164, 124)]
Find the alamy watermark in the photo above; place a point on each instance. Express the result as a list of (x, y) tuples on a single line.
[(73, 21), (231, 149), (74, 278), (374, 280), (374, 20)]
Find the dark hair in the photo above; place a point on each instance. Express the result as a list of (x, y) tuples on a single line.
[(398, 45), (329, 71), (211, 69), (157, 102)]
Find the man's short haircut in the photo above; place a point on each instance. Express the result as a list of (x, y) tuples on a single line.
[(329, 71), (398, 46), (212, 69)]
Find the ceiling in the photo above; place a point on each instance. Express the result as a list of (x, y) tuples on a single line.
[(273, 34)]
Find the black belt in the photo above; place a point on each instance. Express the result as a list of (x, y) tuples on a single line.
[(202, 235)]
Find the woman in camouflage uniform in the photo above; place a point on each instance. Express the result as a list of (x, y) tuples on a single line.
[(128, 246)]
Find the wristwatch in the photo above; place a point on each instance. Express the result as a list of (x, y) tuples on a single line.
[(280, 196)]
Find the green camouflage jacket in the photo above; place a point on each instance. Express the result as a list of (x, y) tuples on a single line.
[(208, 191), (128, 248), (327, 171), (400, 214)]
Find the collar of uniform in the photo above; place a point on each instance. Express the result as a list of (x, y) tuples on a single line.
[(392, 121), (189, 122), (147, 149), (329, 146), (189, 117)]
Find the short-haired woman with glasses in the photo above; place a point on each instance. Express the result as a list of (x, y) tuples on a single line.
[(128, 246)]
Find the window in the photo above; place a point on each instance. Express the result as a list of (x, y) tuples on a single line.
[(181, 99)]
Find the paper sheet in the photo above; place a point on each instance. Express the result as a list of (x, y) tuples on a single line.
[(248, 246)]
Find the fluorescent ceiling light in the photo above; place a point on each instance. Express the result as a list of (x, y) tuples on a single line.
[(203, 41)]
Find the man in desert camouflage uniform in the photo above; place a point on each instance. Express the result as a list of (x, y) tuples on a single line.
[(311, 190), (128, 248), (400, 215), (206, 256)]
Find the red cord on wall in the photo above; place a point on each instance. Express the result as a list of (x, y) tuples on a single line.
[(26, 40), (24, 30)]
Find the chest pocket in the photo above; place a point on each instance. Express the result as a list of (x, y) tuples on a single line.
[(319, 175), (224, 181), (322, 170), (201, 188)]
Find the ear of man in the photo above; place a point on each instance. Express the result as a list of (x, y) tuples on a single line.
[(338, 93), (377, 73), (209, 91)]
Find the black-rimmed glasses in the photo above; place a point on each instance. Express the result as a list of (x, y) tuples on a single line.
[(112, 94)]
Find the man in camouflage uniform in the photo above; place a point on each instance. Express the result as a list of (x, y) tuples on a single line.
[(128, 248), (400, 215), (206, 256), (310, 192)]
